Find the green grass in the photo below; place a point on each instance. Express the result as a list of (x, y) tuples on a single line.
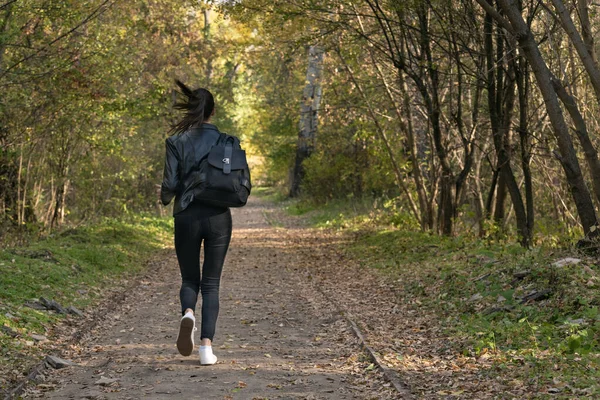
[(468, 284), (72, 267), (269, 193), (337, 214)]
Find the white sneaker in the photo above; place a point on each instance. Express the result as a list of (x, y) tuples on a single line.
[(206, 356), (185, 338)]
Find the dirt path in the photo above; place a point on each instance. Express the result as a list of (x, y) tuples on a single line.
[(277, 338)]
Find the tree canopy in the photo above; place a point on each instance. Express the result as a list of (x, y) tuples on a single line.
[(469, 116)]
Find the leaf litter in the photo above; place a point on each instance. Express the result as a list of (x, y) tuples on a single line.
[(277, 337)]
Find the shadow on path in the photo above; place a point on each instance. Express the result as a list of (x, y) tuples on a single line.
[(276, 338)]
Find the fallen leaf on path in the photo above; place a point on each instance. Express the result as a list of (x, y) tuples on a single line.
[(104, 381)]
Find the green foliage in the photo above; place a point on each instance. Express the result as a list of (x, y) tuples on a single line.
[(80, 257), (88, 115), (267, 109), (269, 193), (73, 267), (336, 171)]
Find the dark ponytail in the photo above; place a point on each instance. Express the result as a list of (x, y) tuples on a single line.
[(198, 105)]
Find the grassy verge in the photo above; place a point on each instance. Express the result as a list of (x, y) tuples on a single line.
[(72, 267), (477, 290)]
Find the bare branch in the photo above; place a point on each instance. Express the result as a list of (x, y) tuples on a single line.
[(7, 4), (496, 15)]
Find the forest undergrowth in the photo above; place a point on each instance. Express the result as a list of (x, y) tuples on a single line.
[(534, 313), (72, 270)]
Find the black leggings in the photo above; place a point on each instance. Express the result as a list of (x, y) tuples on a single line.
[(190, 231)]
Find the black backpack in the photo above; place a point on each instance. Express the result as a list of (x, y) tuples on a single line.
[(223, 177)]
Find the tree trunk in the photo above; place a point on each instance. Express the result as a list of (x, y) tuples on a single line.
[(9, 206), (425, 215), (501, 97), (522, 74), (426, 211), (586, 27), (207, 41), (311, 99), (20, 200), (567, 155), (586, 57), (467, 138), (359, 163), (502, 93), (9, 187), (591, 155), (478, 202), (3, 30), (406, 128), (383, 137), (489, 202), (58, 205), (446, 210), (501, 194)]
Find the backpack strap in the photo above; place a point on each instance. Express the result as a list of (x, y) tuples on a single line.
[(228, 154), (222, 137)]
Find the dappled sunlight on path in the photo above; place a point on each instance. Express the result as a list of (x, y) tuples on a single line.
[(276, 337), (406, 339)]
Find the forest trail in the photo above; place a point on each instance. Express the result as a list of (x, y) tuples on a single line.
[(276, 337), (289, 299)]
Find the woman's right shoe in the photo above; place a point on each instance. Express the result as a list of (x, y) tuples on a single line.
[(185, 338), (206, 356)]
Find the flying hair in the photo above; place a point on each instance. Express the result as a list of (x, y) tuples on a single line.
[(197, 105)]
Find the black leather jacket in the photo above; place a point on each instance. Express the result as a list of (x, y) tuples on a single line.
[(184, 152)]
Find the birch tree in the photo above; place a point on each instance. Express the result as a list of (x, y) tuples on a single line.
[(309, 110)]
